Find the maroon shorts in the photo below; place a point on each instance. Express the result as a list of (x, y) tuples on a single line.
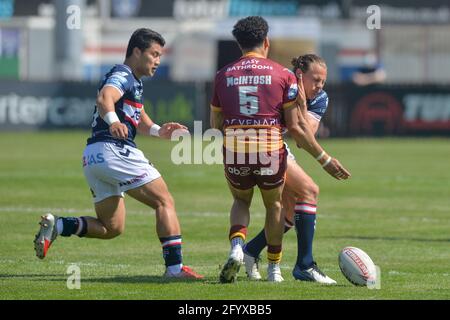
[(245, 170)]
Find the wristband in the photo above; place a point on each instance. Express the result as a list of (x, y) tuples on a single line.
[(320, 156), (154, 130), (111, 117), (326, 162)]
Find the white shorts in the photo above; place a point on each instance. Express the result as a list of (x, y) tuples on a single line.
[(112, 170), (290, 154)]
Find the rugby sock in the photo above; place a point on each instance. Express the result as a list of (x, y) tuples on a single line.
[(71, 225), (59, 226), (82, 227), (237, 235), (258, 243), (172, 254), (305, 225), (274, 253)]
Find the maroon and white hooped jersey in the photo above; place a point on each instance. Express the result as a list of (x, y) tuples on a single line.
[(252, 93)]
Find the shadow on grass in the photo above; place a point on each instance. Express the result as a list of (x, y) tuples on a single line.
[(141, 279), (206, 281), (386, 238), (32, 276), (135, 279), (213, 280), (113, 279)]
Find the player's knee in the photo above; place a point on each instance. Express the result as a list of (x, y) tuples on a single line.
[(242, 202), (274, 206), (167, 201), (310, 193), (114, 231), (164, 201), (314, 190), (111, 234)]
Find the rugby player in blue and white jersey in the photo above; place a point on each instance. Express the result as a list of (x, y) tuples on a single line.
[(113, 165), (300, 194)]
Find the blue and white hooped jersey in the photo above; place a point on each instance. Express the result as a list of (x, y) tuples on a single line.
[(128, 108), (318, 106)]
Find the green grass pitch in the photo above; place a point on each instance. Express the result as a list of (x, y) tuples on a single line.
[(396, 207)]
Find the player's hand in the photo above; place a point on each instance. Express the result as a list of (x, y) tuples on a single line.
[(119, 130), (301, 96), (168, 128), (335, 169)]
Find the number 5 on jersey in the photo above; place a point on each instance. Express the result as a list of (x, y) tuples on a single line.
[(249, 104)]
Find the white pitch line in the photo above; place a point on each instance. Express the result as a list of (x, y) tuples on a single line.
[(44, 210), (63, 262)]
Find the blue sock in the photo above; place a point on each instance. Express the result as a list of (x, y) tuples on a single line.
[(258, 243), (172, 250), (71, 225), (305, 225)]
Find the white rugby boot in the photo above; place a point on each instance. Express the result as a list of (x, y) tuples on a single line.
[(274, 273), (46, 235), (251, 267), (231, 268), (313, 274)]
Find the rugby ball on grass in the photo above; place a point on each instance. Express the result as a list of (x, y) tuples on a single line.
[(357, 266)]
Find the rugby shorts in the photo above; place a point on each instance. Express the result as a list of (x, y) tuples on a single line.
[(111, 169)]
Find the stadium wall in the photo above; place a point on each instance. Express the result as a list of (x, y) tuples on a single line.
[(388, 110), (68, 105)]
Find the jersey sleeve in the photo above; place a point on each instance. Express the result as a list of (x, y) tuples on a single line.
[(318, 106), (121, 80), (290, 90), (215, 103)]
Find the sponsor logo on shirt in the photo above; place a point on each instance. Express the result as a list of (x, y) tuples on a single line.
[(293, 91)]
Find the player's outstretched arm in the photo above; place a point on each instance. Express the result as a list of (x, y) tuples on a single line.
[(301, 132), (106, 100), (148, 127), (299, 128)]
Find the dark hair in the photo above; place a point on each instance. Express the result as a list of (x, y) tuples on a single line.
[(250, 32), (143, 39), (304, 62)]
